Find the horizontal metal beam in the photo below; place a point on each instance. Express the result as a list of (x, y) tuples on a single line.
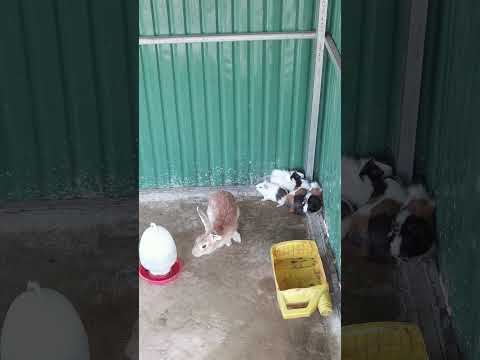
[(333, 52), (205, 38)]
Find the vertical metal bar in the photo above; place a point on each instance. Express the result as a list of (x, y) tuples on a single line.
[(405, 155), (315, 86)]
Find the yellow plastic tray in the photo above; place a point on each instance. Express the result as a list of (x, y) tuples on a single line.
[(300, 279), (383, 340)]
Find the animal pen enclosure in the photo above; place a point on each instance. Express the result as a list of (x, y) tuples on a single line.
[(230, 90)]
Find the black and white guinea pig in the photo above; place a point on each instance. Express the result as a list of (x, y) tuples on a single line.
[(376, 176), (272, 192), (372, 170), (357, 186), (314, 199), (286, 178), (299, 180)]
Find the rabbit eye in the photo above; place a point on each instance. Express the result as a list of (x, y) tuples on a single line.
[(204, 246)]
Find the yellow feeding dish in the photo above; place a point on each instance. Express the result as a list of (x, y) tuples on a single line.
[(300, 279), (383, 340)]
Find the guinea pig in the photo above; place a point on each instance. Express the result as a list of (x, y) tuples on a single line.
[(372, 170), (416, 237), (272, 192), (347, 208), (357, 184), (378, 243), (314, 199), (297, 179), (313, 204), (413, 230), (286, 179), (295, 201), (356, 227)]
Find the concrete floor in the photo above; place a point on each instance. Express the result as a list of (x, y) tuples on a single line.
[(223, 305), (398, 291), (87, 251), (370, 290)]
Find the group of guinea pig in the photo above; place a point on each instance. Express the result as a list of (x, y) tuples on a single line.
[(290, 188), (220, 220), (382, 217)]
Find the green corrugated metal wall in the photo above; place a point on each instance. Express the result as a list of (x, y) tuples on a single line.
[(327, 158), (449, 157), (82, 126), (446, 154), (374, 61), (226, 113)]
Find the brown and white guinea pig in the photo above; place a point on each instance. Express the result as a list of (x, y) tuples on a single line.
[(413, 230), (295, 201), (362, 224), (220, 223), (314, 199)]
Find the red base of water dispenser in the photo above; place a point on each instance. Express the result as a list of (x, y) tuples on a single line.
[(160, 279)]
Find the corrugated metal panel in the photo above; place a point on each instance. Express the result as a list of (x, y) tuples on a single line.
[(449, 157), (327, 158), (68, 92), (334, 24), (228, 113), (374, 61)]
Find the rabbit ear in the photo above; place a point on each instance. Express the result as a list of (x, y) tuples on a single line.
[(205, 221)]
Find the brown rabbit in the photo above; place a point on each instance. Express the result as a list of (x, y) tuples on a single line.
[(220, 222)]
